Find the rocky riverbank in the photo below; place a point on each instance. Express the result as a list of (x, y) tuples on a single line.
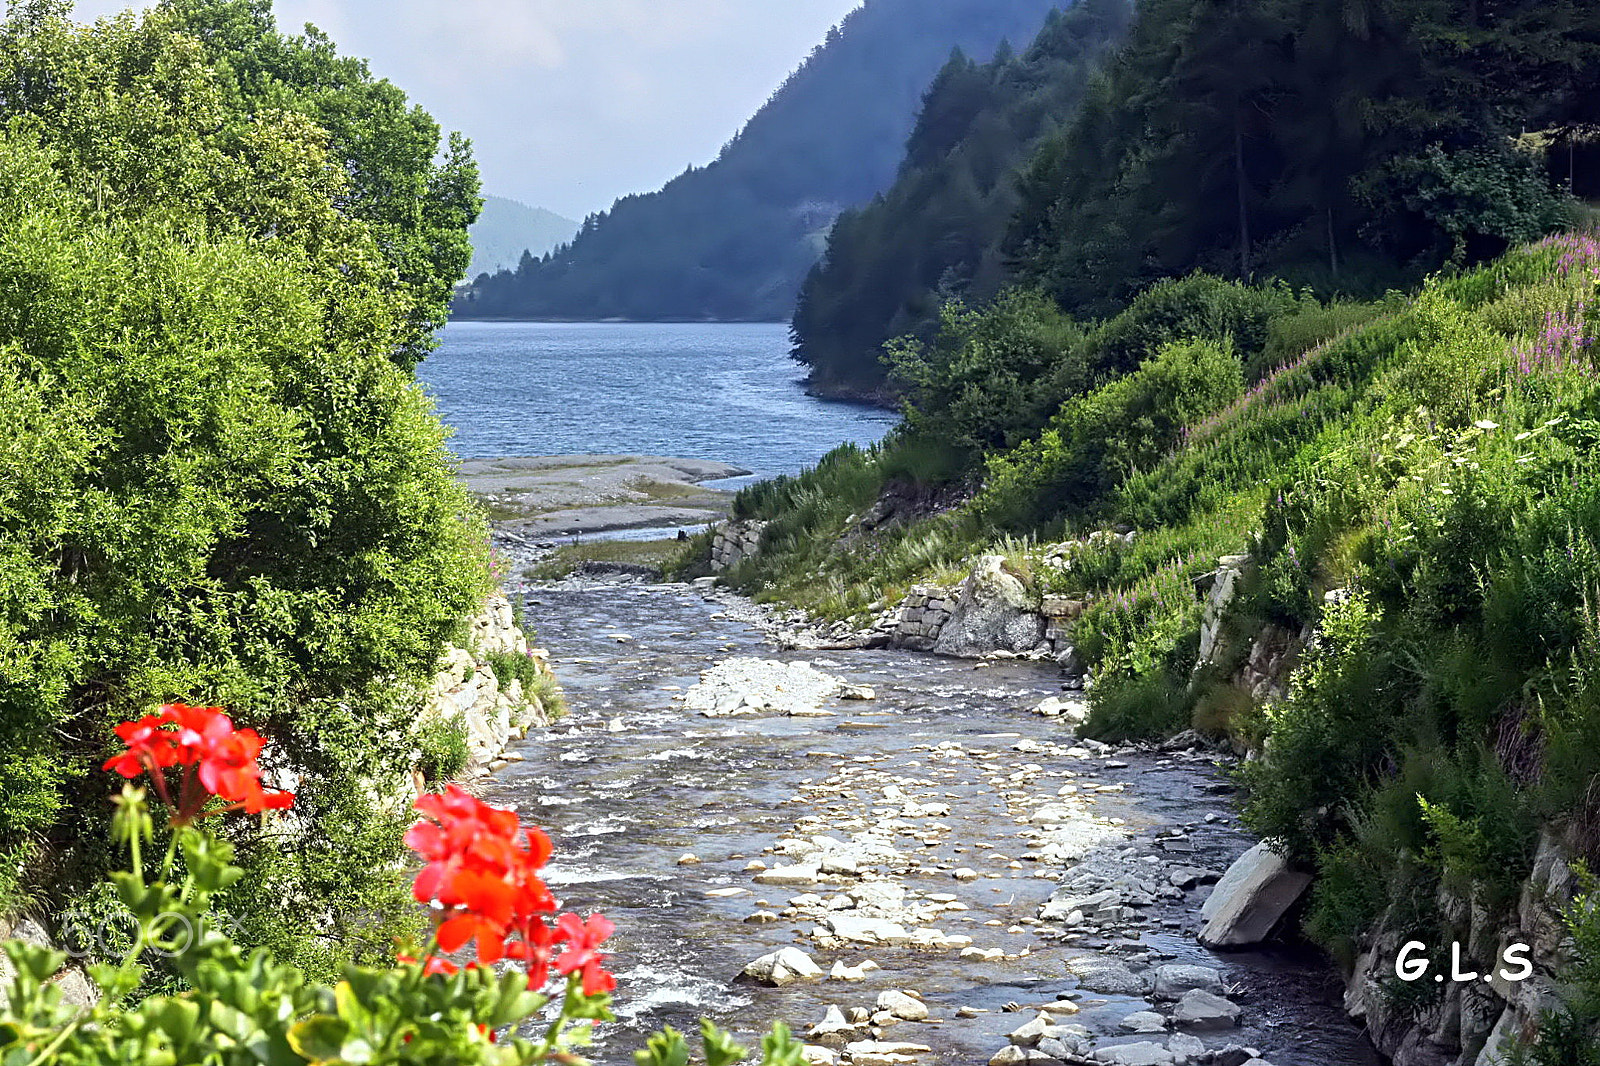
[(988, 887)]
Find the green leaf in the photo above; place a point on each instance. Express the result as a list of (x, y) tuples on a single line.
[(350, 1006), (177, 1018), (666, 1048), (719, 1046), (779, 1048), (319, 1038)]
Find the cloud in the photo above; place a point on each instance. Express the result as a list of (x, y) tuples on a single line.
[(572, 103)]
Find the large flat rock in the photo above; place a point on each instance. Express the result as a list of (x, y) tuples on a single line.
[(1252, 897)]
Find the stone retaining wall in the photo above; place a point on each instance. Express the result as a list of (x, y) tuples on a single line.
[(920, 620), (1469, 1023), (734, 542), (466, 688), (922, 616)]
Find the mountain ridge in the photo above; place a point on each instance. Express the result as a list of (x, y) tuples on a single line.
[(732, 240), (507, 228)]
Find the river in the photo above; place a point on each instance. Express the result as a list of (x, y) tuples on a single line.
[(970, 809)]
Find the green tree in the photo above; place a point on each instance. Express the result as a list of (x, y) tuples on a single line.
[(219, 482)]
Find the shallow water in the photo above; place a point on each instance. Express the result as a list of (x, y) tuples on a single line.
[(623, 806)]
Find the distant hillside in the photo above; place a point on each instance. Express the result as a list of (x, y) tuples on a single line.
[(938, 232), (734, 239), (507, 228)]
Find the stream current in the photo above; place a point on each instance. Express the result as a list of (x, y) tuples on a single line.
[(630, 782)]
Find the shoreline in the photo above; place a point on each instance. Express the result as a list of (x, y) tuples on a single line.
[(559, 496)]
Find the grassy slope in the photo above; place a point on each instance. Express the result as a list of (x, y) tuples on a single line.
[(1438, 457)]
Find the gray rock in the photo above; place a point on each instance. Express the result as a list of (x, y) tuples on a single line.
[(1172, 981), (995, 612), (865, 930), (1061, 1050), (1496, 1051), (783, 967), (1144, 1053), (1030, 1034), (1252, 897), (1186, 1048), (1199, 1009), (833, 1029), (903, 1006), (1144, 1021), (1108, 978)]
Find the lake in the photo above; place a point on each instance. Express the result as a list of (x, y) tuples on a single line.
[(726, 392)]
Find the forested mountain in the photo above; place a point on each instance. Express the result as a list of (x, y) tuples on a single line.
[(506, 228), (1246, 137), (938, 232), (1242, 137), (734, 239)]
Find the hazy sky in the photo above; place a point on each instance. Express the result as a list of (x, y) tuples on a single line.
[(572, 103)]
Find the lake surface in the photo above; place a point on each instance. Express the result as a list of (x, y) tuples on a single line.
[(727, 392)]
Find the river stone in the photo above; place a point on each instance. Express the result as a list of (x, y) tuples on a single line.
[(903, 1006), (1174, 980), (766, 684), (841, 972), (1032, 1032), (805, 874), (1010, 1055), (995, 612), (1252, 897), (864, 930), (1058, 909), (1143, 1053), (1106, 977), (1144, 1021), (1071, 711), (884, 1053), (878, 895), (1199, 1009), (815, 1055), (783, 967), (1186, 1048), (832, 1028)]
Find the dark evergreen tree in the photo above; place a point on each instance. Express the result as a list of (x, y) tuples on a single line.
[(936, 234)]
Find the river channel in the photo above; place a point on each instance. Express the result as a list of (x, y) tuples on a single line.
[(946, 770)]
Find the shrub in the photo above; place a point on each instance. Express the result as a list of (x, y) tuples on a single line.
[(445, 752), (1099, 439), (217, 472), (1198, 307)]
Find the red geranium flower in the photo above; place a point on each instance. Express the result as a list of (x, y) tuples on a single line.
[(218, 760), (583, 951), (481, 871)]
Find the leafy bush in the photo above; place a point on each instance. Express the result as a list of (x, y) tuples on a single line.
[(993, 375), (1197, 307), (445, 752), (217, 472), (1099, 439)]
